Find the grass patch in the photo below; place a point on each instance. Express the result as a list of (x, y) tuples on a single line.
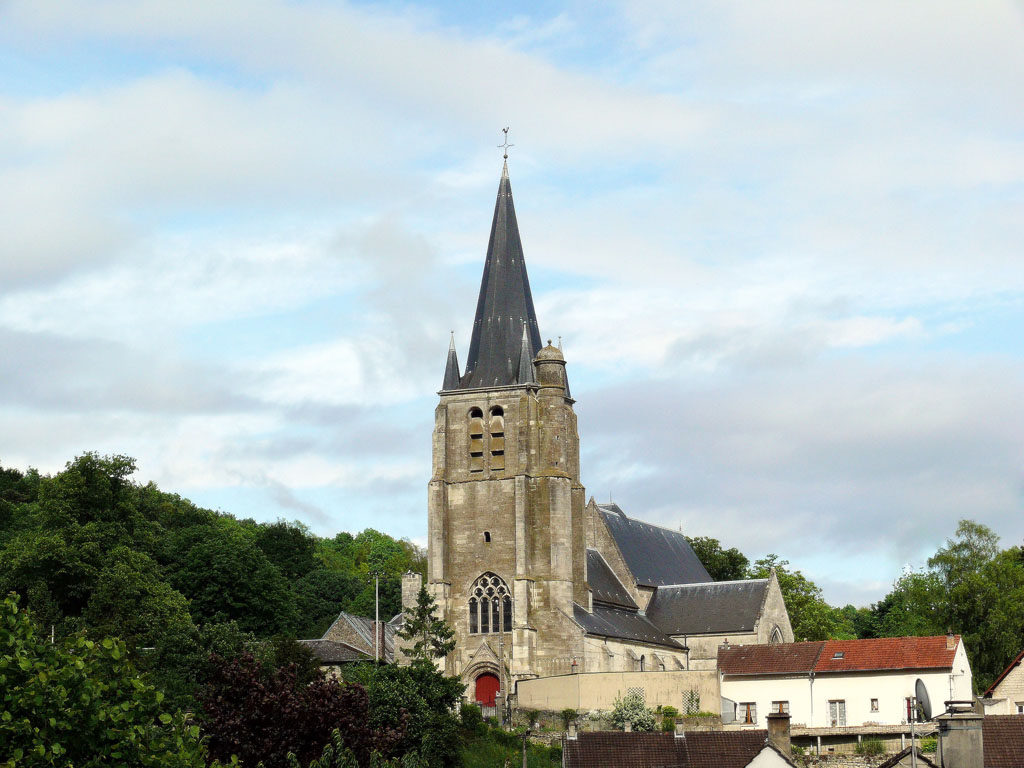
[(493, 748)]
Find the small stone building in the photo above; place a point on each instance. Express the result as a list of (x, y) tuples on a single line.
[(535, 581), (1006, 695)]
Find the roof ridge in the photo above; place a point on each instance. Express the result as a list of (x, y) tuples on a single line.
[(707, 583)]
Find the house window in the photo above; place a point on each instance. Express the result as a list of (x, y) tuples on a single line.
[(838, 654), (874, 705), (837, 713), (780, 707), (476, 440), (490, 605), (748, 713), (1020, 707)]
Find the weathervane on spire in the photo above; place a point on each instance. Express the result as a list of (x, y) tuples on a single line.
[(506, 145)]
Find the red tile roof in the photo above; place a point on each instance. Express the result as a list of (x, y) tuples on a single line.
[(1003, 740), (778, 659), (887, 653), (883, 653), (717, 749), (1004, 673)]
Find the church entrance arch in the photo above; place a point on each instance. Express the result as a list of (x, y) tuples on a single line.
[(487, 690)]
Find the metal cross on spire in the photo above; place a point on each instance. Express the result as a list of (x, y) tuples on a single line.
[(506, 145)]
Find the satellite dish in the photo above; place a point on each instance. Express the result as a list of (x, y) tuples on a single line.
[(924, 704)]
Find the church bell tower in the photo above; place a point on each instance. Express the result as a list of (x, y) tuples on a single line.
[(506, 552)]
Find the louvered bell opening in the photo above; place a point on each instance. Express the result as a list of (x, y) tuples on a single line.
[(476, 427), (476, 445), (497, 443), (497, 425), (476, 463), (498, 460)]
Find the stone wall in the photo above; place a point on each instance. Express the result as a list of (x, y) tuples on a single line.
[(598, 690)]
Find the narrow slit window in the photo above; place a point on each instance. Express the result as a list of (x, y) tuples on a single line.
[(487, 536)]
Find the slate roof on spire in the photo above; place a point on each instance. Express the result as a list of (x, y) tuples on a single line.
[(451, 368), (505, 303)]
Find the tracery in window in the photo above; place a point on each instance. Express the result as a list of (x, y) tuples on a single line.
[(490, 605), (776, 636), (476, 440)]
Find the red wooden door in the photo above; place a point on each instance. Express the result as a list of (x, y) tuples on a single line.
[(486, 689)]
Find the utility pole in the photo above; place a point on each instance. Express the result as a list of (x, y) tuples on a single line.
[(376, 573)]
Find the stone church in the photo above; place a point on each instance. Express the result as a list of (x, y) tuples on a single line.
[(535, 580)]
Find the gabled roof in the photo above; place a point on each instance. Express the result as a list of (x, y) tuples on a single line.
[(777, 659), (360, 635), (721, 749), (331, 652), (1004, 673), (715, 608), (897, 760), (1002, 738), (824, 656), (604, 583), (887, 653), (656, 556), (504, 306), (621, 623)]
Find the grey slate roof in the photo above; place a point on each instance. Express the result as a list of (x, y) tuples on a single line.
[(655, 555), (603, 582), (505, 304), (715, 607), (622, 623), (331, 652)]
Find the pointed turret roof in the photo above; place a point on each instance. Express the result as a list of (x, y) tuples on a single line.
[(505, 304), (451, 368)]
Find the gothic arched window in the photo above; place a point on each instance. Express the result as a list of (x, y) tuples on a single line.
[(776, 636), (476, 440), (490, 605)]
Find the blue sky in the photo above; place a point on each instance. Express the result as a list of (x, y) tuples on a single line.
[(781, 243)]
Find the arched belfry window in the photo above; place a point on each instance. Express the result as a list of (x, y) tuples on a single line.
[(496, 427), (490, 605), (476, 440)]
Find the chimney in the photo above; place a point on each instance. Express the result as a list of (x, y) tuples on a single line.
[(950, 641), (778, 732), (628, 727), (572, 730), (411, 583), (960, 740), (680, 732)]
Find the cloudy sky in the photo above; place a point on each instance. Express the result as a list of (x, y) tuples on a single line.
[(781, 243)]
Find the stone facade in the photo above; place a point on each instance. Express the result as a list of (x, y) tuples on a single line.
[(510, 536), (519, 517), (1006, 695)]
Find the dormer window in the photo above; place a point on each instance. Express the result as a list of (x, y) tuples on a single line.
[(497, 442), (838, 654), (476, 440)]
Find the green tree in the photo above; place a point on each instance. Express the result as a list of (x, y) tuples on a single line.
[(722, 564), (80, 702), (226, 577), (811, 617), (289, 546), (431, 636)]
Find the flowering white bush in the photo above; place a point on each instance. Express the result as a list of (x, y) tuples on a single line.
[(633, 709)]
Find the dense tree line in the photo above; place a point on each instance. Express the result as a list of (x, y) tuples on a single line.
[(970, 587), (88, 549)]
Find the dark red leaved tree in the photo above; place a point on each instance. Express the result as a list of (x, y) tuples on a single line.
[(262, 716)]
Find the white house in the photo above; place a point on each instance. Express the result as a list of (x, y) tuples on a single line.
[(1006, 695), (840, 683)]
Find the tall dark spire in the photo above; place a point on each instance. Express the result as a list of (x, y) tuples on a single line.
[(451, 368), (505, 304)]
